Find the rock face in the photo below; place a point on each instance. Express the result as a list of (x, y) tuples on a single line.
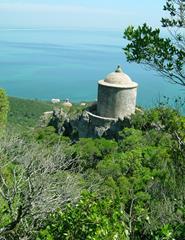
[(58, 120), (86, 125)]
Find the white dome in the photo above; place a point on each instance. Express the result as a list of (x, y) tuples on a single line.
[(118, 79)]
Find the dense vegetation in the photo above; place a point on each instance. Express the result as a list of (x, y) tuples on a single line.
[(26, 113), (3, 110), (129, 187)]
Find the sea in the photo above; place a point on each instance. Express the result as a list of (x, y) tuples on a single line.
[(65, 63)]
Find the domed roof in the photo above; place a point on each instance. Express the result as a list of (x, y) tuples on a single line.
[(118, 79)]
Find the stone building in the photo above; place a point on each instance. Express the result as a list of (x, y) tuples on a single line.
[(105, 118), (116, 103), (116, 95)]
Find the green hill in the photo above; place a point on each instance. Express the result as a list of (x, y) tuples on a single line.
[(26, 113)]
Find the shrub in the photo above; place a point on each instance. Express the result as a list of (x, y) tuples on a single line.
[(4, 106)]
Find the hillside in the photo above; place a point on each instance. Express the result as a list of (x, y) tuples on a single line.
[(130, 186), (26, 113)]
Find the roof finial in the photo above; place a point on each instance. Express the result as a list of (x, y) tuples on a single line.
[(119, 70)]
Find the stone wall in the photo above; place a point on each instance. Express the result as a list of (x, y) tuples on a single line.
[(87, 125), (116, 102)]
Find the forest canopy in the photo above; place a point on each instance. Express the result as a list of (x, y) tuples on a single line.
[(128, 187)]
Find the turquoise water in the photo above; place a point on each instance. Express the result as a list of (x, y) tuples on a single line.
[(67, 63)]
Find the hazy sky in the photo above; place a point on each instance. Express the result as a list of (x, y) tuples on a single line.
[(79, 13)]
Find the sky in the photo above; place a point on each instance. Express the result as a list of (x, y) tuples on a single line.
[(79, 13)]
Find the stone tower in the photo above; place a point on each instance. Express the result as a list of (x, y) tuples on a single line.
[(116, 95)]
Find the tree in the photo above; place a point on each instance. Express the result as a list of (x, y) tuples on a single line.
[(147, 172), (91, 151), (91, 218), (165, 55), (34, 181), (3, 109)]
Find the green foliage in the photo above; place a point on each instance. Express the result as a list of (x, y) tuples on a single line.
[(7, 173), (48, 136), (165, 55), (176, 10), (91, 218), (147, 173), (137, 181), (4, 106), (26, 113), (90, 151), (34, 180), (161, 118)]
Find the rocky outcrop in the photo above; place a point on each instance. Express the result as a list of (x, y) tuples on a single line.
[(86, 125)]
